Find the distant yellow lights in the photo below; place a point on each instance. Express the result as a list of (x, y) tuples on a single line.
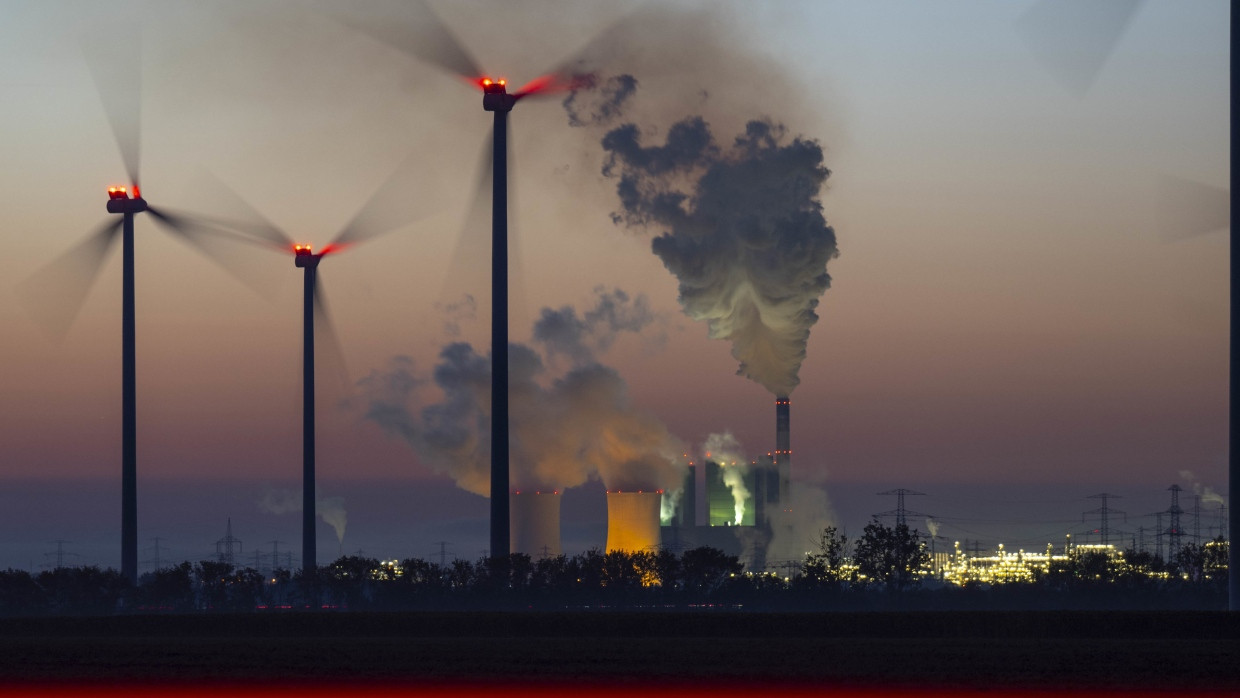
[(1006, 567)]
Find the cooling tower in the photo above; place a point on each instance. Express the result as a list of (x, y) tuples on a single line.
[(535, 523), (633, 520)]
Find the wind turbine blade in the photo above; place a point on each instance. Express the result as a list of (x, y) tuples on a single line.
[(1187, 209), (469, 271), (217, 244), (54, 295), (114, 56), (616, 41), (329, 356), (1073, 39), (469, 277), (516, 267), (390, 207), (250, 222), (411, 27)]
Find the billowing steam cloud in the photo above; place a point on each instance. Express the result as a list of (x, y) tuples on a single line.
[(725, 450), (669, 505), (330, 509), (564, 430), (562, 332), (932, 526), (743, 231), (796, 526)]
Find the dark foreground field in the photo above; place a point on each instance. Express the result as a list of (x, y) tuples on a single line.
[(656, 653)]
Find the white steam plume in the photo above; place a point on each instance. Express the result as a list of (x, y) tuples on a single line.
[(1206, 493), (796, 526), (669, 505), (725, 450), (330, 509)]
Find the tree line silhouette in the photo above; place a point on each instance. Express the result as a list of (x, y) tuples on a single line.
[(885, 568)]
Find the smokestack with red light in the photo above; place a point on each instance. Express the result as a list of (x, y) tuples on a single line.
[(783, 448)]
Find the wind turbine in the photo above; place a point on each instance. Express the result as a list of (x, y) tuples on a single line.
[(56, 292), (419, 32), (388, 208)]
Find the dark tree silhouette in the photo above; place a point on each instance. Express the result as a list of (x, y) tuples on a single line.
[(891, 557), (827, 567), (168, 589), (83, 591), (706, 569)]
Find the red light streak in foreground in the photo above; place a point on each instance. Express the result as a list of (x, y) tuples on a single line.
[(532, 689)]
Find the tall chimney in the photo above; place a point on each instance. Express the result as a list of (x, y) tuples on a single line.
[(783, 449), (688, 500)]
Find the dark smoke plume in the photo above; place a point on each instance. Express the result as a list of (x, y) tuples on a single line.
[(562, 332), (565, 431), (743, 231), (595, 102)]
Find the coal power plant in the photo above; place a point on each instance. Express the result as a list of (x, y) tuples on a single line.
[(744, 502), (736, 507)]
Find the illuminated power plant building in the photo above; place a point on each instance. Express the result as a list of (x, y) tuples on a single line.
[(740, 517), (743, 501), (721, 503)]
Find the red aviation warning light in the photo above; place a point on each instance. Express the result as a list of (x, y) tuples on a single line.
[(495, 95), (304, 255), (120, 201)]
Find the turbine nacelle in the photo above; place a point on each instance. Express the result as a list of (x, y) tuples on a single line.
[(495, 95), (304, 256), (119, 201)]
